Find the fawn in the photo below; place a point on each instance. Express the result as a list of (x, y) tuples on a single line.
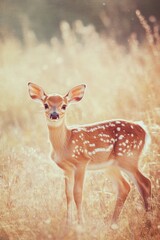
[(114, 144)]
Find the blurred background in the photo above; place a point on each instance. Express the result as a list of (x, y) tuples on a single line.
[(114, 18), (112, 46)]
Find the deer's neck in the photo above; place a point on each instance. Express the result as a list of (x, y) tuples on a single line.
[(59, 136)]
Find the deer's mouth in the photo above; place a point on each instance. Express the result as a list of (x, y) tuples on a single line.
[(54, 122), (54, 119)]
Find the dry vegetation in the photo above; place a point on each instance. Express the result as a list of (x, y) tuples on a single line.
[(121, 84)]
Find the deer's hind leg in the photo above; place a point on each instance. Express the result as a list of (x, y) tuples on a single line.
[(143, 185), (123, 189)]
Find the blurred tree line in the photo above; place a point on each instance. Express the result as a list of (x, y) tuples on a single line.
[(113, 17)]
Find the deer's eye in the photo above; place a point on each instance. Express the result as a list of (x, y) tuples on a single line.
[(46, 106), (64, 107)]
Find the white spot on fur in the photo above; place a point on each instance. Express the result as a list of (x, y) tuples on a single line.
[(130, 154), (121, 137), (92, 145), (120, 154), (97, 150)]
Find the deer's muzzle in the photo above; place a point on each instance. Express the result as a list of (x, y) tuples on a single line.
[(54, 115)]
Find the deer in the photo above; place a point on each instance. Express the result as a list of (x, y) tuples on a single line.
[(113, 144)]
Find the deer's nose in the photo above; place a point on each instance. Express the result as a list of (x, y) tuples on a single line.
[(54, 115)]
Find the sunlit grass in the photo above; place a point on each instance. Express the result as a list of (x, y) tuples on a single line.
[(122, 83)]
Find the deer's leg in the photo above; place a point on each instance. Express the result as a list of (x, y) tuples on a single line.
[(123, 189), (69, 183), (143, 185), (78, 190)]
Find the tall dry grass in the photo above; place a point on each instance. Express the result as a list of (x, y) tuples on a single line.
[(122, 83)]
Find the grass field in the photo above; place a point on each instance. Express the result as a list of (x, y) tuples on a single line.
[(122, 82)]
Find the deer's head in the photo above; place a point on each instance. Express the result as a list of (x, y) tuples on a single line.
[(55, 105)]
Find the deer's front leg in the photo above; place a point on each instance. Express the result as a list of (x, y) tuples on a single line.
[(69, 183), (78, 190)]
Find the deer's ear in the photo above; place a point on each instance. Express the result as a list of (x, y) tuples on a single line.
[(36, 92), (76, 93)]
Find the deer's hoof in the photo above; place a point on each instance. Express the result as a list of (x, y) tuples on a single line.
[(114, 226)]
